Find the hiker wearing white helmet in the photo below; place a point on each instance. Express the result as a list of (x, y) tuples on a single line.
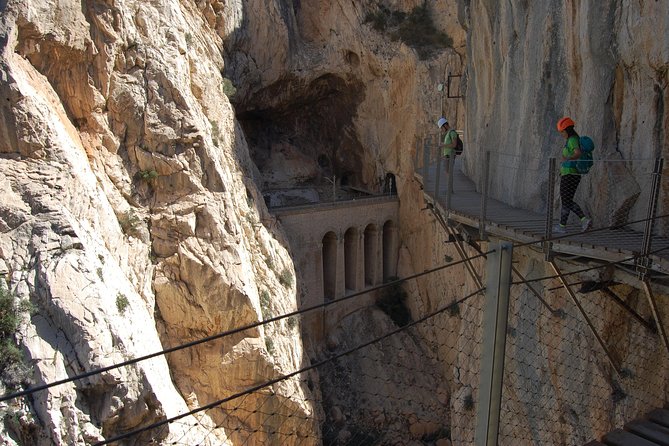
[(450, 138)]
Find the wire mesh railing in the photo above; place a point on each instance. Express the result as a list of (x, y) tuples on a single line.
[(417, 381), (559, 386), (537, 197)]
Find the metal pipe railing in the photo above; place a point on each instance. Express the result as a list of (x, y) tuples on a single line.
[(484, 195)]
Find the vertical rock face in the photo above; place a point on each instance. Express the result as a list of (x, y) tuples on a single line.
[(132, 215), (602, 63), (130, 220)]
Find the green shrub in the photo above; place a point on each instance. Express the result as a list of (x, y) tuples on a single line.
[(454, 309), (228, 88), (269, 344), (286, 278), (468, 403), (416, 29), (130, 223), (264, 305), (13, 370), (291, 322), (121, 303), (148, 175)]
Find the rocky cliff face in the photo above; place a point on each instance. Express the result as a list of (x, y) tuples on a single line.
[(133, 218), (602, 63), (131, 221)]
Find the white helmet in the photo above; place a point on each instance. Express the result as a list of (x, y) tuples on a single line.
[(441, 122)]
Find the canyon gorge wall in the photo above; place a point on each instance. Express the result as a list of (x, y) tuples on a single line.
[(138, 139)]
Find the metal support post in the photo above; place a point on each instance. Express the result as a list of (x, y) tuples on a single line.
[(495, 315), (451, 174), (548, 245), (484, 195), (437, 179), (644, 262)]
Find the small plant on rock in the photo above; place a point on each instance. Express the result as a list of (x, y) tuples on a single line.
[(148, 175), (13, 371), (286, 278), (264, 304), (228, 87), (121, 303)]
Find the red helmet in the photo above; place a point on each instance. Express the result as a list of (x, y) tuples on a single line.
[(564, 123)]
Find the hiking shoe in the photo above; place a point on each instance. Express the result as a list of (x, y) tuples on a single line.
[(586, 224), (559, 229)]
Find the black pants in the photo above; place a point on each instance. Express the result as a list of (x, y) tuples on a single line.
[(568, 186)]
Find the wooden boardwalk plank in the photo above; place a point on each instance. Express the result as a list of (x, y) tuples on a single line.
[(620, 437), (650, 431), (660, 416)]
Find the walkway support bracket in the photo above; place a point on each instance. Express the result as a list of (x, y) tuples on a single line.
[(495, 318), (458, 246), (524, 282), (656, 314), (585, 316)]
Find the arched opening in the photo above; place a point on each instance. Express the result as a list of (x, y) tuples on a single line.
[(371, 254), (329, 266), (351, 258), (389, 184), (389, 250)]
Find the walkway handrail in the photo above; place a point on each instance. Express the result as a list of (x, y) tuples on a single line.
[(516, 193)]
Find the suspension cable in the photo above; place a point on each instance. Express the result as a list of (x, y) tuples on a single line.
[(286, 376), (226, 333)]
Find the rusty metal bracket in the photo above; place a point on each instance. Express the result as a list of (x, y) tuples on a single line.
[(656, 314), (585, 316)]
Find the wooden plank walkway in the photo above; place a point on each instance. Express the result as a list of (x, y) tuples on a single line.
[(652, 430), (507, 222)]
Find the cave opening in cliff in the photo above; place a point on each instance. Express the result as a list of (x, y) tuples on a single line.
[(303, 140)]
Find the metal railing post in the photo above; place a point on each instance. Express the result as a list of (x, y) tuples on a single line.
[(552, 169), (644, 261), (426, 159), (437, 179), (484, 195), (495, 317), (451, 175)]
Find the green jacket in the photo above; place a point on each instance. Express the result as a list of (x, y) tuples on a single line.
[(568, 166), (448, 139)]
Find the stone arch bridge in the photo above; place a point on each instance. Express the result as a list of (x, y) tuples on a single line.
[(341, 248)]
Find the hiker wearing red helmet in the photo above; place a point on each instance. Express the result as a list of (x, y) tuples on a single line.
[(569, 176)]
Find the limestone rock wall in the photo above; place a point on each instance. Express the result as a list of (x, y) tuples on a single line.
[(602, 63), (132, 214), (131, 221)]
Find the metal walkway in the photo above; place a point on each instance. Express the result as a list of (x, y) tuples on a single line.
[(489, 217)]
